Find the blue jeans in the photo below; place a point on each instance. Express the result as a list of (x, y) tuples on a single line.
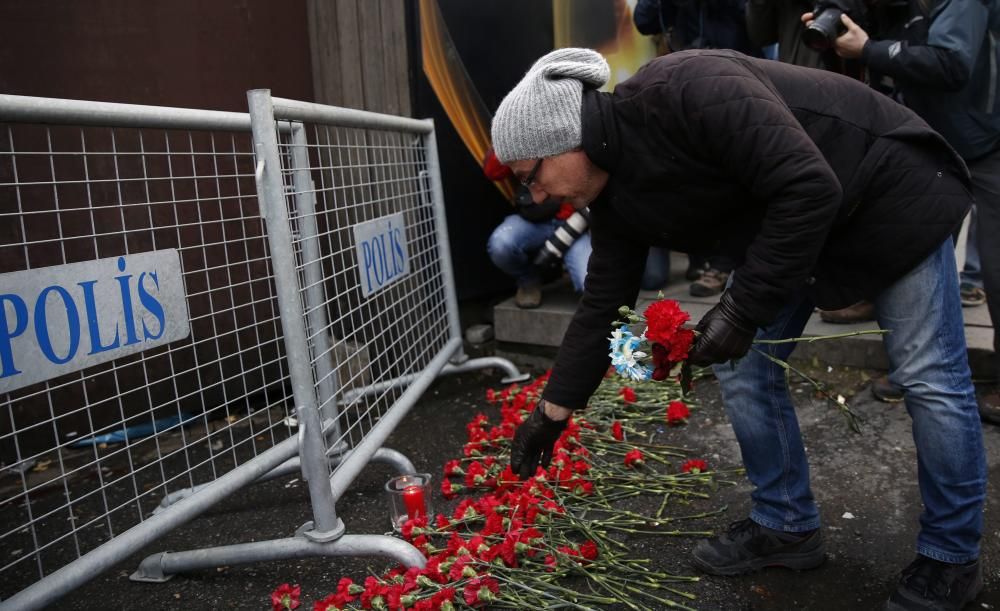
[(513, 244), (657, 272), (927, 357)]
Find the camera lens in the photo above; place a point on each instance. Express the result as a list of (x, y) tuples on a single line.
[(826, 26)]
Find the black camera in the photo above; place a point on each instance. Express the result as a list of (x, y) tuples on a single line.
[(826, 25)]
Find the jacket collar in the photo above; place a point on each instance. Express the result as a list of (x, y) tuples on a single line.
[(600, 133)]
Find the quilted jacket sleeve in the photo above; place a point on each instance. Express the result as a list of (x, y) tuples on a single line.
[(613, 275)]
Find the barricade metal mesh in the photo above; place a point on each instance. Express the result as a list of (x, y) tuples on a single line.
[(213, 400), (378, 341)]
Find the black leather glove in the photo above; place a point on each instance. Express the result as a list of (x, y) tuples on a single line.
[(533, 442), (723, 334)]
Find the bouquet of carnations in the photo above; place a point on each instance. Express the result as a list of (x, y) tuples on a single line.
[(660, 350)]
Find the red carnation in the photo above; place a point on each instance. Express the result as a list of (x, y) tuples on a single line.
[(589, 550), (663, 319), (285, 597), (374, 593), (680, 344), (634, 458), (694, 465), (444, 595), (481, 590), (449, 489), (666, 356), (628, 395), (616, 431), (677, 413), (453, 467), (333, 601)]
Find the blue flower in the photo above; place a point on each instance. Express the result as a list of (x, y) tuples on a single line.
[(626, 357)]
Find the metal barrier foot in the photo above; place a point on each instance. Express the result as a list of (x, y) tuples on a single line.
[(484, 362), (151, 570), (161, 567), (522, 377), (307, 531)]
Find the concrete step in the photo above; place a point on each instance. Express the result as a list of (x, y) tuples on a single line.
[(545, 326)]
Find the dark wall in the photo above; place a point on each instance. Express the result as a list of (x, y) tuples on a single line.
[(191, 53), (497, 42)]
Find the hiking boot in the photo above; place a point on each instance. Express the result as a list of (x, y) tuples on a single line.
[(694, 270), (989, 407), (528, 297), (971, 295), (712, 282), (862, 311), (935, 585), (885, 391), (747, 547)]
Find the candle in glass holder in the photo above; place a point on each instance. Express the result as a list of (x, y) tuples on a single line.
[(409, 498), (413, 499)]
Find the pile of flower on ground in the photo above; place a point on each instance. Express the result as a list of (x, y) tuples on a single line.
[(561, 538)]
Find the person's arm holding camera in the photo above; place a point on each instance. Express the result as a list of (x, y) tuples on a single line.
[(943, 59)]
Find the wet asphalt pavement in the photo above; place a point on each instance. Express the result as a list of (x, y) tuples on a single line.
[(865, 485)]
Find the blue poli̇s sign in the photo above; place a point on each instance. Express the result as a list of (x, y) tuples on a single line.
[(60, 319), (383, 258)]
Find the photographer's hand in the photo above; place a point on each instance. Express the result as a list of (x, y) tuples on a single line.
[(851, 43)]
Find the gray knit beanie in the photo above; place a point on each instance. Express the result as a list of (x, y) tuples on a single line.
[(540, 117)]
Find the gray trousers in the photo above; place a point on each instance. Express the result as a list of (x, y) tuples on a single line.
[(986, 188)]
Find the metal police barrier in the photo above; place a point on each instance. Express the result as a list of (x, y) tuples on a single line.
[(165, 342)]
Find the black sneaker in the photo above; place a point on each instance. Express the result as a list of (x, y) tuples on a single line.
[(938, 586), (747, 547), (971, 295)]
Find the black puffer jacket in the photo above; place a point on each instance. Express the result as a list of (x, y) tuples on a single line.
[(811, 179)]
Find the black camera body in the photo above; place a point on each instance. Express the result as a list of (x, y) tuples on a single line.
[(826, 25)]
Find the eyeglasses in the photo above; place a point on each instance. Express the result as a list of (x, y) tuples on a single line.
[(530, 178)]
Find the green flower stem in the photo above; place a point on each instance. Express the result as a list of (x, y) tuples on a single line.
[(852, 418), (663, 505), (665, 601), (642, 518), (620, 595), (620, 590), (669, 533), (817, 338), (572, 594), (668, 576)]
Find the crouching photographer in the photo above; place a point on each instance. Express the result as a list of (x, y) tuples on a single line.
[(517, 241), (539, 239)]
